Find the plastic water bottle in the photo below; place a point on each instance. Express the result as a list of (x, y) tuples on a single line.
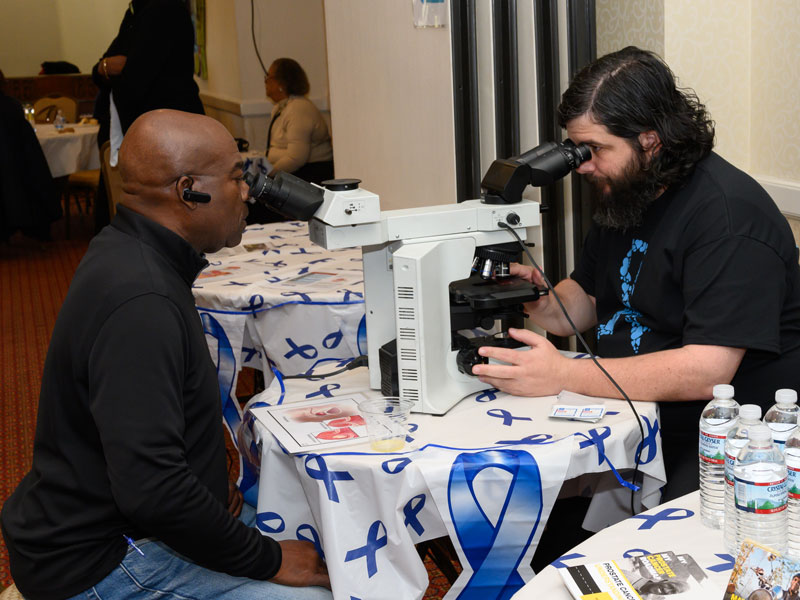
[(749, 416), (59, 121), (792, 454), (761, 492), (718, 417), (782, 417)]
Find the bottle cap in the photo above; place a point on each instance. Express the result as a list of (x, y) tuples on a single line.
[(723, 390), (750, 412), (760, 433), (785, 396)]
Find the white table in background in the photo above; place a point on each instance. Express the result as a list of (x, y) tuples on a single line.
[(674, 526), (486, 474), (67, 153)]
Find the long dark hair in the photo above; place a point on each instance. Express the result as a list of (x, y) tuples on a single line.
[(289, 72), (631, 91)]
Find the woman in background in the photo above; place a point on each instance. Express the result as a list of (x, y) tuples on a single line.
[(298, 140)]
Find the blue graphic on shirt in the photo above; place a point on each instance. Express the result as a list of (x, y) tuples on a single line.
[(628, 273)]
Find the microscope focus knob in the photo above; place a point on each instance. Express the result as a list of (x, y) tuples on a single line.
[(512, 218)]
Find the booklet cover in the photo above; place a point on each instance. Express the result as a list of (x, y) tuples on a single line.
[(639, 578), (762, 574), (312, 425)]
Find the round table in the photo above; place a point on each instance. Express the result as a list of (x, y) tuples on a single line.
[(69, 152)]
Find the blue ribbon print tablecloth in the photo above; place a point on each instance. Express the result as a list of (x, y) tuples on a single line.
[(279, 301), (486, 474), (674, 526)]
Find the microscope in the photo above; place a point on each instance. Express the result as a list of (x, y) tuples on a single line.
[(436, 278)]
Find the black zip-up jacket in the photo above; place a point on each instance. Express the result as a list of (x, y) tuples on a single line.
[(129, 434)]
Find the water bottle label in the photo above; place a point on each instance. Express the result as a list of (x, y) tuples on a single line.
[(712, 447), (729, 460), (793, 481), (760, 498), (781, 432)]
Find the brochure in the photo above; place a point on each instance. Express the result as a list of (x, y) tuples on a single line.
[(639, 578), (314, 425), (762, 574)]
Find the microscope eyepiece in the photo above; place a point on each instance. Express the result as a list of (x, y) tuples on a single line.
[(286, 194), (506, 179)]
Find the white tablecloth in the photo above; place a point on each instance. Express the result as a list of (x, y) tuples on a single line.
[(674, 526), (486, 474), (69, 152)]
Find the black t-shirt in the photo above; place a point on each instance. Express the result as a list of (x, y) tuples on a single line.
[(714, 262)]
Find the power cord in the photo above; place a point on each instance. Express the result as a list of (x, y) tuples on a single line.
[(253, 33), (358, 361), (591, 354)]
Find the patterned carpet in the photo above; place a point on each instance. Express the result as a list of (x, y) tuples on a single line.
[(34, 277)]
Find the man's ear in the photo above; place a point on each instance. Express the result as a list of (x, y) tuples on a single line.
[(184, 183), (649, 141)]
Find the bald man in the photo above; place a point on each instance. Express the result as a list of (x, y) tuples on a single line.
[(128, 494)]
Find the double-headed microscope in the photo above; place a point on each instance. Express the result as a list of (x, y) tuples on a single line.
[(436, 279)]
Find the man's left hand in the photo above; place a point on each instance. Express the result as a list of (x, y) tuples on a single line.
[(540, 371), (235, 500)]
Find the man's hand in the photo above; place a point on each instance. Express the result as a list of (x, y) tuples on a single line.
[(540, 371), (235, 500), (301, 565), (112, 65)]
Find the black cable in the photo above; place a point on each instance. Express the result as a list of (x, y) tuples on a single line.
[(589, 352), (358, 361), (253, 32)]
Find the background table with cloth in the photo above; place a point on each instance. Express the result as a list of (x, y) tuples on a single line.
[(674, 526), (279, 301), (487, 474), (69, 152)]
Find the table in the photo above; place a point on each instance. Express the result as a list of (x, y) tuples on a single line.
[(672, 526), (277, 301), (487, 474), (67, 153)]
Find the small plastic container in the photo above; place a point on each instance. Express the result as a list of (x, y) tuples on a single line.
[(386, 418)]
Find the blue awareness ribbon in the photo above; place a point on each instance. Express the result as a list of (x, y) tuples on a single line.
[(727, 564), (412, 427), (256, 302), (507, 417), (326, 476), (265, 520), (235, 283), (361, 336), (303, 297), (348, 293), (226, 375), (314, 539), (648, 444), (306, 351), (332, 340), (494, 551), (635, 552), (325, 390), (393, 466), (411, 510), (668, 514), (534, 439), (595, 438), (560, 562), (487, 395), (319, 260), (375, 541)]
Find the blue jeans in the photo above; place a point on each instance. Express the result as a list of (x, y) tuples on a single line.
[(164, 574)]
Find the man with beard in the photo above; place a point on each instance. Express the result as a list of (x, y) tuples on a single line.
[(690, 272)]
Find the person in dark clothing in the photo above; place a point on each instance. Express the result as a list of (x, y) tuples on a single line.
[(29, 198), (149, 65), (690, 272), (128, 491)]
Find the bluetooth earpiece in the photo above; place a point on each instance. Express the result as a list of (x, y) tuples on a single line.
[(189, 195)]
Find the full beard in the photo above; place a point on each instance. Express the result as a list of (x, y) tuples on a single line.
[(620, 203)]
